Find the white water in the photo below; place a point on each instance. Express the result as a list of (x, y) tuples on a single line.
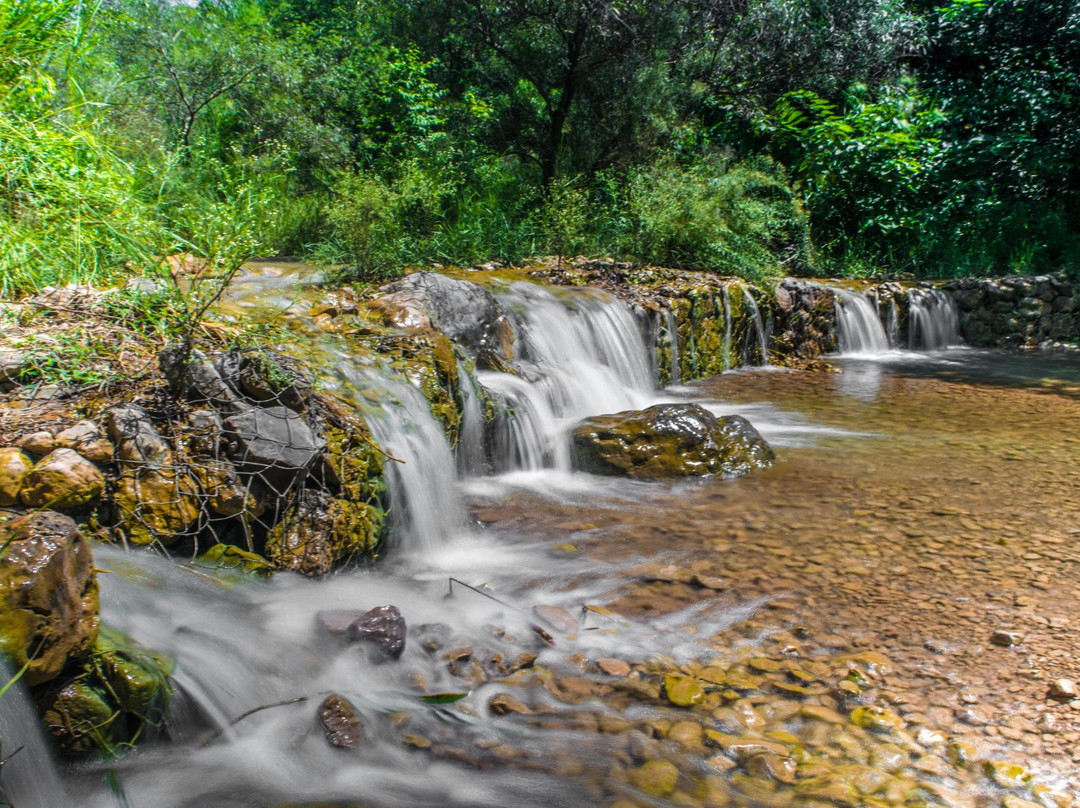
[(727, 328), (759, 328), (933, 320), (672, 331), (584, 355), (859, 330), (30, 775)]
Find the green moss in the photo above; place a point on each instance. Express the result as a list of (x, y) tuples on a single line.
[(229, 557), (120, 691), (428, 361)]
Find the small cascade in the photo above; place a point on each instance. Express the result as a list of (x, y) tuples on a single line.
[(859, 328), (759, 329), (672, 330), (584, 355), (727, 328), (933, 320), (470, 446), (426, 506), (892, 324)]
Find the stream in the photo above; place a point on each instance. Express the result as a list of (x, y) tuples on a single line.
[(921, 501)]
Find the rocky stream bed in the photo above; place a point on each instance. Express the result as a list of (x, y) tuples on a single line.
[(534, 536)]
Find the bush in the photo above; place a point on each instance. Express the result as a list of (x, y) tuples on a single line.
[(739, 219)]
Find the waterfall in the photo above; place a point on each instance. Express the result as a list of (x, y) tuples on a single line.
[(892, 325), (727, 328), (470, 447), (858, 327), (426, 507), (759, 328), (671, 327), (933, 320), (584, 355)]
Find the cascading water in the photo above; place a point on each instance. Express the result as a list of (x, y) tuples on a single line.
[(672, 331), (933, 320), (759, 329), (727, 327), (583, 353), (31, 777), (859, 329)]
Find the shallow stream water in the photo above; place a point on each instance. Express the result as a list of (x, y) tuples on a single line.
[(920, 503)]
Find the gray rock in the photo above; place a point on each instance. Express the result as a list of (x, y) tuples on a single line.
[(38, 443), (670, 440), (194, 377), (136, 439), (266, 377), (465, 312), (13, 364), (274, 444)]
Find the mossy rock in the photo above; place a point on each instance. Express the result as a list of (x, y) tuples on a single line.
[(120, 692), (670, 440), (48, 594), (230, 557), (428, 361), (319, 533)]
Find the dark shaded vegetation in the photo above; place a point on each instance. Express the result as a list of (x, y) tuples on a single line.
[(752, 137)]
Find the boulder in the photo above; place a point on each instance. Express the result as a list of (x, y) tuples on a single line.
[(192, 376), (383, 628), (14, 466), (88, 440), (670, 440), (62, 479), (48, 594), (465, 312), (274, 444), (136, 439), (320, 532), (156, 504), (266, 377)]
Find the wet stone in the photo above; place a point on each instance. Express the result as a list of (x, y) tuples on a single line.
[(382, 628), (341, 723), (614, 667), (63, 480), (14, 466), (1006, 639), (657, 777), (1063, 690)]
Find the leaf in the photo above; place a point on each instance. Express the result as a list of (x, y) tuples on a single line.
[(442, 698)]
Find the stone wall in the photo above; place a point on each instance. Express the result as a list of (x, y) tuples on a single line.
[(1017, 312)]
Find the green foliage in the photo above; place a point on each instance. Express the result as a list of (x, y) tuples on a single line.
[(737, 219)]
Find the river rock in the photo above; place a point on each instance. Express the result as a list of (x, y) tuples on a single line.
[(88, 440), (274, 444), (341, 722), (337, 622), (1064, 690), (48, 593), (383, 628), (63, 479), (14, 466), (192, 376), (156, 504), (657, 777), (37, 443), (670, 440), (465, 312), (13, 364), (136, 439), (320, 532)]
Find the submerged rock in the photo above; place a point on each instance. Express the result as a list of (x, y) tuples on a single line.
[(48, 594), (62, 479), (670, 440), (384, 628), (341, 722), (465, 312)]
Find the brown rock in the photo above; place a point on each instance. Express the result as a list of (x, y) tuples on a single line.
[(557, 618), (61, 480), (14, 466), (37, 443), (48, 594), (1063, 690), (89, 441), (156, 505), (341, 722), (1006, 639), (502, 704), (614, 667), (383, 628)]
